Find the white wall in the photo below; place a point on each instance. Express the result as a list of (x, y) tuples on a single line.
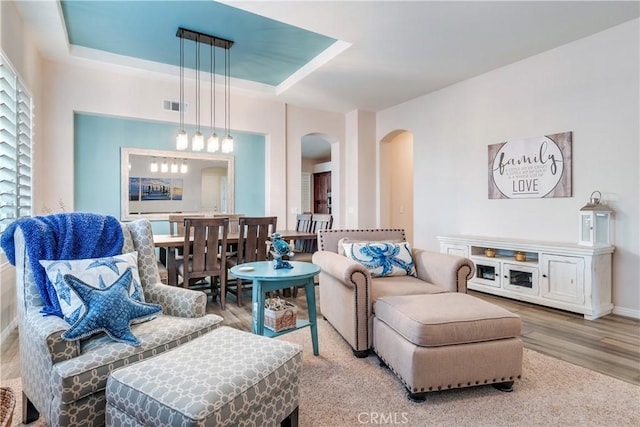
[(396, 183), (359, 170), (589, 87)]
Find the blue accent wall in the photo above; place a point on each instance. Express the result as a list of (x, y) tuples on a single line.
[(96, 163)]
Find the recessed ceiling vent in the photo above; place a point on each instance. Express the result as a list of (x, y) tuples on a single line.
[(174, 105)]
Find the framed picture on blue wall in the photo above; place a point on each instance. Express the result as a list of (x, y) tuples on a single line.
[(155, 189)]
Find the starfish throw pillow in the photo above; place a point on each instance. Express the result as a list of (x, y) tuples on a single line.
[(97, 272), (110, 309)]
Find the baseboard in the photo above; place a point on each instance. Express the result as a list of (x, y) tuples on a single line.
[(626, 312), (7, 331)]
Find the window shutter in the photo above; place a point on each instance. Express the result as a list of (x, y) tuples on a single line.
[(16, 139), (305, 183)]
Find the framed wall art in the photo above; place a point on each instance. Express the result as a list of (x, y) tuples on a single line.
[(532, 167)]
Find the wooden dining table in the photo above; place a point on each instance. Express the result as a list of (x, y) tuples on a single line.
[(168, 243)]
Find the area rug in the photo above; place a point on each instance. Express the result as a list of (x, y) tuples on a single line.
[(339, 390)]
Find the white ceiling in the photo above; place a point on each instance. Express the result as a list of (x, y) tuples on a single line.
[(402, 50), (397, 50)]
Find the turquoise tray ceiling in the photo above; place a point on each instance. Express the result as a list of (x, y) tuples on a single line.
[(264, 50)]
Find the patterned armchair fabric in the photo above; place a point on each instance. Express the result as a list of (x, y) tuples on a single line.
[(64, 381), (347, 290)]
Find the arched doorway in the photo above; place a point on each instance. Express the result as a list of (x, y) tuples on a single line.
[(396, 181), (316, 173)]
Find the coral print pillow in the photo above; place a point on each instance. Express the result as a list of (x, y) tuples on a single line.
[(382, 258), (96, 272)]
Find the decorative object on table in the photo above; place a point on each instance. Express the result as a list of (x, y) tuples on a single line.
[(490, 252), (595, 221), (279, 314), (520, 256), (533, 167), (278, 248)]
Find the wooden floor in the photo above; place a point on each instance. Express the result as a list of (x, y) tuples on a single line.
[(610, 345)]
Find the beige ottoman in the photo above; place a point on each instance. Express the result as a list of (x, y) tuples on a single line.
[(448, 340)]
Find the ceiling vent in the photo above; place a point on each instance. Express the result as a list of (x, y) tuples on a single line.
[(174, 105)]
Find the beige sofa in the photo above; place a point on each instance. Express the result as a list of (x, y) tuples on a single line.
[(347, 291)]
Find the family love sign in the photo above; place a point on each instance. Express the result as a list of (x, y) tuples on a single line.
[(531, 167)]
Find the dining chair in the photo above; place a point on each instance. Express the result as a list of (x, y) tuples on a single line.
[(176, 222), (253, 234), (203, 258), (303, 223), (318, 222)]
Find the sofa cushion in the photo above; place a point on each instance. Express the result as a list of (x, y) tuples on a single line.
[(401, 285), (96, 272), (382, 258), (446, 319)]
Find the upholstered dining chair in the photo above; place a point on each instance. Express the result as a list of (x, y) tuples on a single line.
[(252, 237), (204, 256)]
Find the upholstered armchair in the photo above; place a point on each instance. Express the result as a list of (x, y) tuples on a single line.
[(348, 291), (63, 380)]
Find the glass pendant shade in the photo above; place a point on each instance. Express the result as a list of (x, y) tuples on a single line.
[(197, 143), (227, 144), (174, 166), (164, 167), (213, 143), (154, 165), (183, 167), (182, 140)]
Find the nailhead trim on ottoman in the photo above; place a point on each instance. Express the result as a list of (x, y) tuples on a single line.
[(224, 378), (449, 340)]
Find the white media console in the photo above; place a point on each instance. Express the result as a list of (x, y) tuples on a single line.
[(560, 275)]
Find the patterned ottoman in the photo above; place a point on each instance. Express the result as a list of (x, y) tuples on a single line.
[(224, 378)]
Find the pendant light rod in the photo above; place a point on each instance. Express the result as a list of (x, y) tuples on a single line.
[(199, 37), (213, 142), (227, 107), (182, 84)]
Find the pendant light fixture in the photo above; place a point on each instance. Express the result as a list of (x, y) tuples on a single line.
[(182, 139), (227, 142), (213, 142), (197, 143), (154, 165)]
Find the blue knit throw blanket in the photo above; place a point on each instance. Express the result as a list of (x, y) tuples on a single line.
[(62, 236)]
